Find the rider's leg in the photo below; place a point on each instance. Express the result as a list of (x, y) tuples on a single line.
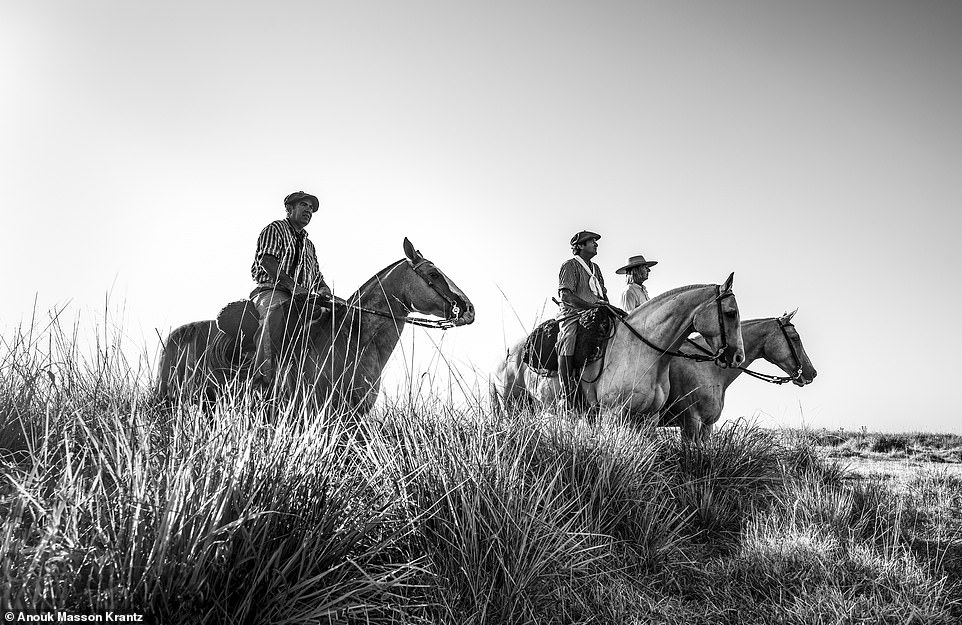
[(569, 382), (268, 304), (567, 373)]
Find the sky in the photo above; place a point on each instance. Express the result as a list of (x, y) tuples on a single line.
[(814, 148)]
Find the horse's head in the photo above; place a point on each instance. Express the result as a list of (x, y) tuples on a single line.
[(719, 322), (785, 349), (430, 292)]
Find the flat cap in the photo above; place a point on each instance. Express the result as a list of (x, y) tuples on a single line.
[(583, 236), (293, 198)]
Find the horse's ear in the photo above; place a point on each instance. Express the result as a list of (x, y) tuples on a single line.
[(788, 316), (728, 283), (409, 251)]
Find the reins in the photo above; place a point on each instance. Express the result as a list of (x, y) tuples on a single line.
[(437, 324), (772, 379), (709, 357), (664, 351)]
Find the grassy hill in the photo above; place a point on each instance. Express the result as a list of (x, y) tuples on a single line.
[(422, 513)]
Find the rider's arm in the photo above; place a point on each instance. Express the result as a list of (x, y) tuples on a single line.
[(321, 288), (574, 301), (568, 280), (272, 266)]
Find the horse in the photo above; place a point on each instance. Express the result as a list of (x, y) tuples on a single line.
[(697, 389), (632, 376), (338, 351)]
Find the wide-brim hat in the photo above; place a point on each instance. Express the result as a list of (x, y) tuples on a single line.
[(583, 236), (297, 196), (636, 261)]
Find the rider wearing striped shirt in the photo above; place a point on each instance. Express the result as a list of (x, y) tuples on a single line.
[(285, 265)]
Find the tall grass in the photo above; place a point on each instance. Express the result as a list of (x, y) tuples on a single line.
[(426, 513)]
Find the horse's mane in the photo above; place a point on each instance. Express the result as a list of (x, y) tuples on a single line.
[(676, 291), (667, 294), (760, 320), (372, 281), (354, 298), (308, 310)]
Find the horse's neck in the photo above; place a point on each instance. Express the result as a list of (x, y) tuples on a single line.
[(668, 319), (383, 293), (755, 333)]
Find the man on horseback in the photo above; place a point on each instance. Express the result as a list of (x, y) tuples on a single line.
[(635, 294), (580, 287), (285, 265)]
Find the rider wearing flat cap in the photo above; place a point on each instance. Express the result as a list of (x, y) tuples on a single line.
[(635, 294), (580, 287), (285, 265)]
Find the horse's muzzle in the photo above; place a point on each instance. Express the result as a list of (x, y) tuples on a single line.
[(733, 357), (805, 378), (465, 319)]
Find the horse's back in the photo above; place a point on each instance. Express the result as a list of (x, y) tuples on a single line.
[(182, 354)]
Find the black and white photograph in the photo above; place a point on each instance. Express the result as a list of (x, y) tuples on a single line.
[(479, 313)]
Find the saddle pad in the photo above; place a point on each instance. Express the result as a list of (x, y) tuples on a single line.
[(540, 348), (239, 319)]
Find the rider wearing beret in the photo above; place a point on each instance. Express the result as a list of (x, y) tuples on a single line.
[(285, 265), (580, 287)]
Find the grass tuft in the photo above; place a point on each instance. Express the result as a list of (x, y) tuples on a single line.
[(424, 512)]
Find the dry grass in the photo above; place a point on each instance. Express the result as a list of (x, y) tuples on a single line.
[(425, 513)]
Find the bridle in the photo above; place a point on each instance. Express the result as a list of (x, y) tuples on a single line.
[(454, 310), (774, 379), (781, 379), (707, 356)]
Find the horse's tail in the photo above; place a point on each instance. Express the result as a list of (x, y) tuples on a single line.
[(182, 358), (505, 386)]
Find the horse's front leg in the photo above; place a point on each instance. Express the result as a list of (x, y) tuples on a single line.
[(590, 392), (692, 425)]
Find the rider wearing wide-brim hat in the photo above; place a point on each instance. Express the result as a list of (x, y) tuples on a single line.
[(580, 286), (637, 269)]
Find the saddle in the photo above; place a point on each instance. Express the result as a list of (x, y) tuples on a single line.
[(239, 321), (540, 350)]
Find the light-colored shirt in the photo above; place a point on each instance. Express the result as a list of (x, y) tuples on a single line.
[(633, 296)]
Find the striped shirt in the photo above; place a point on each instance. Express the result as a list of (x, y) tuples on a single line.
[(282, 241), (575, 279)]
